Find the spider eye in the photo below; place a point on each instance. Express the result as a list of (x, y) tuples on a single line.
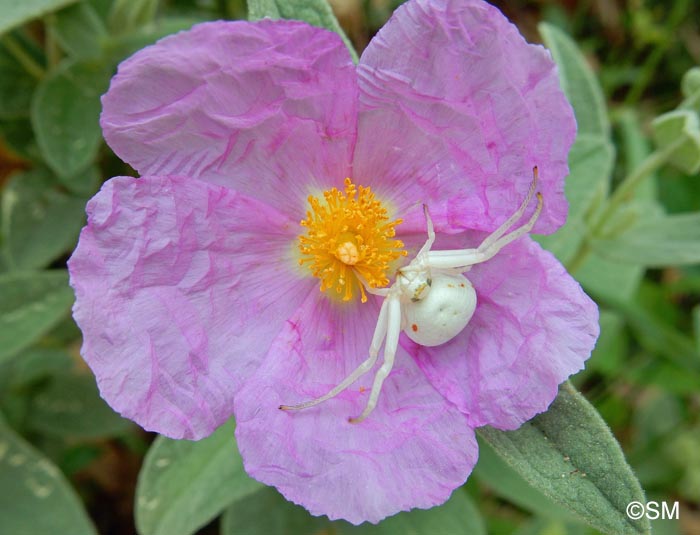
[(415, 284)]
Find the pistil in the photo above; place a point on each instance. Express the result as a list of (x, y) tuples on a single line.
[(349, 240)]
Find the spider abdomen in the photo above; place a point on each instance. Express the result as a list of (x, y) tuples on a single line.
[(442, 313)]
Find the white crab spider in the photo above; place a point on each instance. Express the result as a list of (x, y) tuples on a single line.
[(430, 300)]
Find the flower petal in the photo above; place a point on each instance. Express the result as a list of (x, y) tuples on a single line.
[(412, 451), (455, 110), (533, 327), (267, 108), (171, 277)]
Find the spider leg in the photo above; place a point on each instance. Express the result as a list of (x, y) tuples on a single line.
[(416, 264), (431, 232), (500, 231), (393, 330), (493, 247), (377, 339), (469, 257)]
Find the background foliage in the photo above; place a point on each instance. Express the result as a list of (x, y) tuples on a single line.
[(69, 465)]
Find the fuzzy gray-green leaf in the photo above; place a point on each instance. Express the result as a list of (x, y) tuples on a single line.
[(672, 240), (35, 498), (578, 82), (679, 130), (31, 206), (183, 485), (70, 406), (590, 164), (30, 304), (266, 511), (315, 12), (569, 454), (65, 116), (17, 12)]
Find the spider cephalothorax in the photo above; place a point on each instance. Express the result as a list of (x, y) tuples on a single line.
[(431, 300)]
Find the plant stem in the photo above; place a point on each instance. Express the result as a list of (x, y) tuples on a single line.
[(621, 194), (53, 53), (23, 58), (626, 188), (578, 259)]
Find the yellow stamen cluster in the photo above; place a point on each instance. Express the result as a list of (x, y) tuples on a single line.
[(349, 239)]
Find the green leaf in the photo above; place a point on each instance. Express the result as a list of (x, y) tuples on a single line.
[(17, 135), (31, 208), (548, 526), (679, 129), (591, 162), (65, 116), (657, 373), (84, 183), (635, 147), (690, 87), (35, 498), (315, 12), (672, 240), (30, 304), (457, 516), (569, 454), (184, 485), (696, 326), (494, 472), (655, 335), (128, 15), (611, 348), (80, 31), (685, 452), (691, 82), (592, 156), (658, 415), (608, 278), (266, 511), (666, 526), (16, 87), (578, 82), (71, 406), (123, 45), (37, 364), (16, 13)]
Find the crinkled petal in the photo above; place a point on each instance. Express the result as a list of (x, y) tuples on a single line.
[(267, 108), (455, 110), (172, 277), (412, 451), (533, 327)]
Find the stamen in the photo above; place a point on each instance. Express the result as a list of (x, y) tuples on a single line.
[(349, 239)]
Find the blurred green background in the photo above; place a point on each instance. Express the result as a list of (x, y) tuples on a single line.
[(644, 376)]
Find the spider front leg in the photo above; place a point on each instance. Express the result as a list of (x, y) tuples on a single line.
[(494, 242), (393, 330), (380, 332)]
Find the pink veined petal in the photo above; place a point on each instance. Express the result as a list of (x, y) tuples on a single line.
[(172, 279), (266, 108), (412, 451), (455, 110), (533, 327)]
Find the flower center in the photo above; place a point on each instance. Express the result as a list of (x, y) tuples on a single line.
[(349, 239)]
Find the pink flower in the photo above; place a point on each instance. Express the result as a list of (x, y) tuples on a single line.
[(190, 295)]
